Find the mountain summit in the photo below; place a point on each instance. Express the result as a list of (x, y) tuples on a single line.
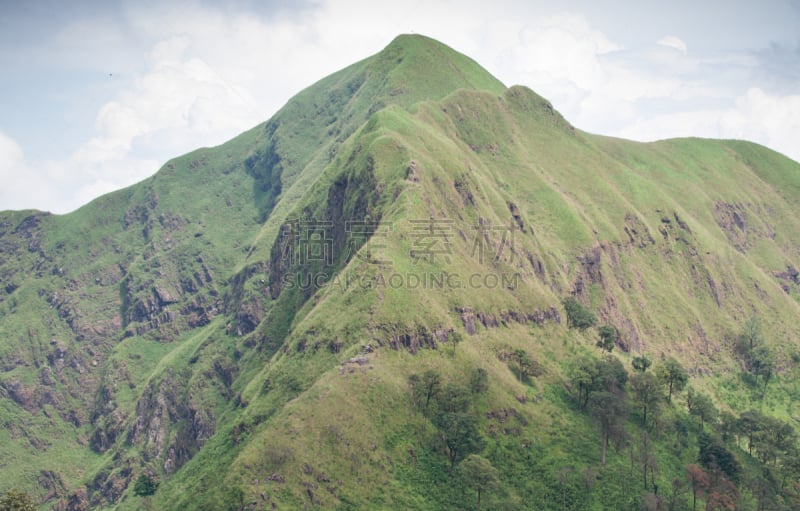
[(412, 288)]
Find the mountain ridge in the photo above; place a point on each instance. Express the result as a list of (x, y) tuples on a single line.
[(165, 330)]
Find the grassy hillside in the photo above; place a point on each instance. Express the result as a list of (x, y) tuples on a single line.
[(337, 308)]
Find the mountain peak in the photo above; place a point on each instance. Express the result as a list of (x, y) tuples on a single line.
[(423, 68)]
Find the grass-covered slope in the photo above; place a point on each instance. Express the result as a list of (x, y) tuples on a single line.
[(337, 308)]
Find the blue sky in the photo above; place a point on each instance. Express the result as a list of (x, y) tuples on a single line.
[(97, 95)]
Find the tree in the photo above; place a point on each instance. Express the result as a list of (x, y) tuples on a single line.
[(589, 374), (750, 336), (713, 455), (460, 435), (524, 362), (453, 398), (673, 375), (578, 315), (645, 391), (145, 486), (583, 376), (699, 481), (676, 500), (479, 473), (424, 388), (16, 500), (755, 354), (611, 375), (762, 364), (610, 412), (479, 381), (701, 406), (454, 338), (641, 364), (773, 440), (608, 338)]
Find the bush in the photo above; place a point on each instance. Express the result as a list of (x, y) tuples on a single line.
[(144, 486), (578, 315)]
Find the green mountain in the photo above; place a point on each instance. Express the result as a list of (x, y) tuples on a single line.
[(412, 288)]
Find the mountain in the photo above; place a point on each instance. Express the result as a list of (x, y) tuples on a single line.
[(382, 298)]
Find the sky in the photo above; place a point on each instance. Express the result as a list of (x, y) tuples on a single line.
[(98, 95)]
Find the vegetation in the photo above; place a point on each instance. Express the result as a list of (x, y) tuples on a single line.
[(144, 486), (16, 500), (479, 474), (579, 316), (359, 305)]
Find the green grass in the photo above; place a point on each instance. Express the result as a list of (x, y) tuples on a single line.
[(277, 411)]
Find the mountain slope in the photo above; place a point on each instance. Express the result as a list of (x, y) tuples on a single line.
[(244, 325)]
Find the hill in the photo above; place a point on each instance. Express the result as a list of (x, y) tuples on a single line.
[(391, 294)]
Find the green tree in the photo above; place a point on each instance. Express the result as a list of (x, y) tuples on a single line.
[(611, 375), (479, 381), (454, 338), (16, 500), (748, 426), (773, 440), (761, 364), (641, 364), (646, 393), (578, 315), (755, 355), (583, 375), (610, 412), (460, 435), (425, 388), (608, 338), (524, 362), (713, 455), (751, 336), (453, 398), (145, 486), (701, 406), (479, 473), (589, 374), (673, 375)]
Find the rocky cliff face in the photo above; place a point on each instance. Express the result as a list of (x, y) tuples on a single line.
[(234, 318)]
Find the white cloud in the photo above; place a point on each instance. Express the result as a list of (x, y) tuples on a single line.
[(672, 41), (22, 186), (197, 76), (770, 120)]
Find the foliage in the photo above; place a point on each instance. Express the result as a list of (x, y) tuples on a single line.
[(646, 394), (144, 486), (454, 338), (478, 473), (479, 381), (673, 375), (460, 435), (589, 374), (608, 338), (754, 353), (16, 500), (713, 455), (425, 388), (701, 406), (177, 299), (524, 363), (641, 364), (578, 315), (611, 413)]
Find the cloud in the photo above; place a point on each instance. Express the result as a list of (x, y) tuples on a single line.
[(22, 186), (196, 74), (771, 120), (672, 41)]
